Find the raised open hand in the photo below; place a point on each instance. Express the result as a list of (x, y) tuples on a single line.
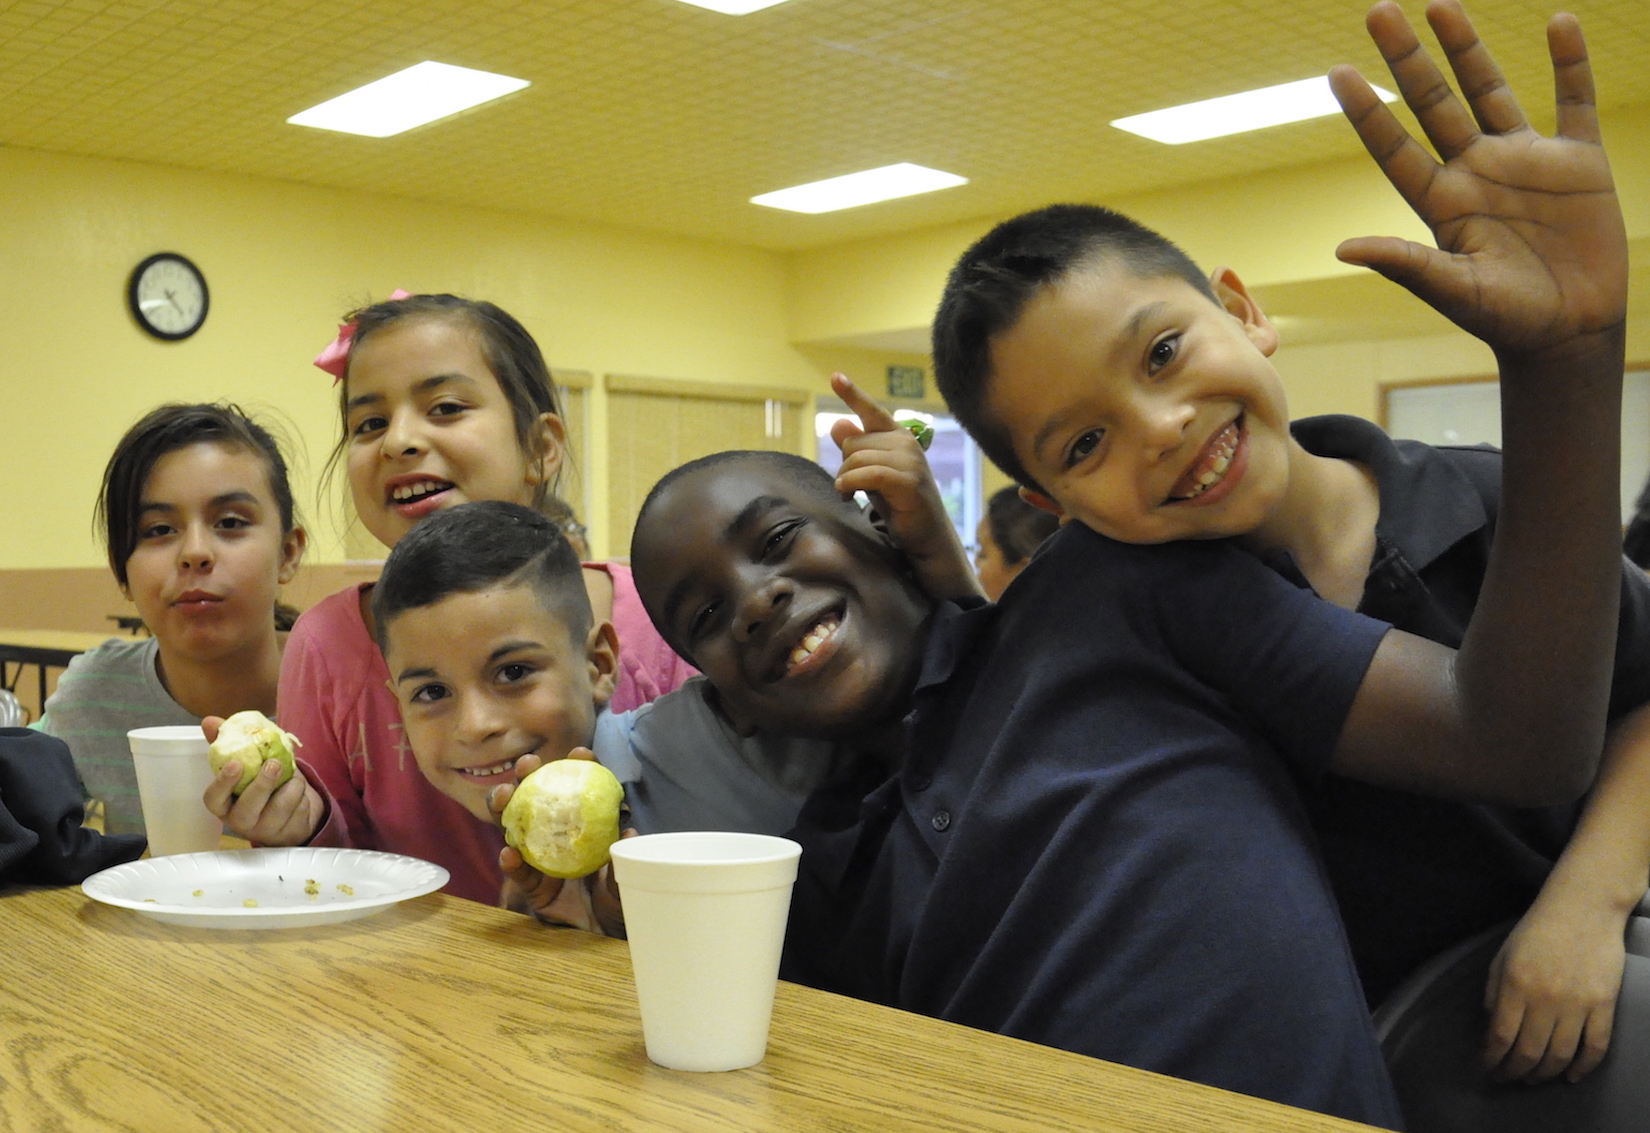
[(1532, 251)]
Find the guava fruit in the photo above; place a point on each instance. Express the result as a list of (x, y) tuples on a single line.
[(920, 430), (251, 737), (564, 817)]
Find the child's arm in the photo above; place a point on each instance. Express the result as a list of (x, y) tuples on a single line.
[(881, 458), (1531, 258), (590, 903), (1552, 988), (287, 815)]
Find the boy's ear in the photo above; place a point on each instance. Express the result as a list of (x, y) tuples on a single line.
[(292, 553), (601, 653), (1235, 297), (549, 440), (1042, 502)]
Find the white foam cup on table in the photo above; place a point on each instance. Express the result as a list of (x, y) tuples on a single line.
[(705, 913), (172, 774)]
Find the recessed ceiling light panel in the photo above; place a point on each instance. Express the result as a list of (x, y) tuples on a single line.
[(854, 189), (1236, 113), (734, 7), (396, 103)]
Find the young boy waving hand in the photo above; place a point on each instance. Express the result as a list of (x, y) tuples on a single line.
[(1122, 388)]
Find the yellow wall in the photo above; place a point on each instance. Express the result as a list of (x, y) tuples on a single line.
[(283, 261)]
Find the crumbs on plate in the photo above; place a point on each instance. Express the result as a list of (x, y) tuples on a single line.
[(250, 902), (198, 893), (347, 890), (312, 888)]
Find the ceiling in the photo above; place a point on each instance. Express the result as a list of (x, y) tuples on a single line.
[(652, 114)]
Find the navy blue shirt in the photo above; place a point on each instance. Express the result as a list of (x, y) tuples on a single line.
[(1093, 842), (1416, 875)]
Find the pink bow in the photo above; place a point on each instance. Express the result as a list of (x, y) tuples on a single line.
[(335, 358)]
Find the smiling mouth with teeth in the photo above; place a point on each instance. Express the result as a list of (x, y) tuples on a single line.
[(812, 640), (408, 493), (1212, 467), (488, 772)]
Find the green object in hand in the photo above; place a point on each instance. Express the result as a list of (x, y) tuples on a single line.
[(923, 433)]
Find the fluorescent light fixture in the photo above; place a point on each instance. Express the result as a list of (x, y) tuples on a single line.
[(854, 189), (421, 93), (1236, 113), (734, 7)]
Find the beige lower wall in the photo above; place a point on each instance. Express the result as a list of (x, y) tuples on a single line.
[(86, 599)]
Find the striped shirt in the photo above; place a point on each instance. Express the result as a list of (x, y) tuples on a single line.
[(101, 695)]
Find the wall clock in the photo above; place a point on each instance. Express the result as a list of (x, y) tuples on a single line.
[(168, 296)]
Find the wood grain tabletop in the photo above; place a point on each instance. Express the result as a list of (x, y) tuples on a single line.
[(443, 1014)]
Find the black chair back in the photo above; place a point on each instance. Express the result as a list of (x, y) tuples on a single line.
[(1432, 1033)]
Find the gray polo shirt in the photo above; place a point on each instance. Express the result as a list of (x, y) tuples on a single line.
[(101, 696), (684, 767)]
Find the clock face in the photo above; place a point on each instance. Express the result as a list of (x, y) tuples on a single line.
[(168, 296)]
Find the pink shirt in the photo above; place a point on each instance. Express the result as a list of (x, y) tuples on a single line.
[(335, 697), (648, 668)]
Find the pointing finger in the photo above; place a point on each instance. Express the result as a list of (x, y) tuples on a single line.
[(871, 414)]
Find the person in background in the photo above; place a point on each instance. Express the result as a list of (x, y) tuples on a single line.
[(197, 515), (572, 530), (1128, 391), (442, 401), (1011, 530)]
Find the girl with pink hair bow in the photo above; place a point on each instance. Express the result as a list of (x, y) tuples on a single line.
[(442, 401)]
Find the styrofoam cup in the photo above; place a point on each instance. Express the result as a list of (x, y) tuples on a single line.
[(172, 774), (705, 913)]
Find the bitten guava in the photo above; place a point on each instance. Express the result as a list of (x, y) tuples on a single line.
[(920, 430), (251, 738), (564, 817)]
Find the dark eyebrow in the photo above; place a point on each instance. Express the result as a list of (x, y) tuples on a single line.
[(503, 650), (237, 497), (240, 496), (1139, 317), (423, 385), (512, 647), (748, 515)]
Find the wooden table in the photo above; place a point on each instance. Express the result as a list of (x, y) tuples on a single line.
[(42, 648), (444, 1014)]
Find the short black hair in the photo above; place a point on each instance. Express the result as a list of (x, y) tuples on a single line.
[(991, 284), (1016, 527), (799, 471), (477, 546), (166, 429)]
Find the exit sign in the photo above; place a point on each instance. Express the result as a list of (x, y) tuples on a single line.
[(905, 381)]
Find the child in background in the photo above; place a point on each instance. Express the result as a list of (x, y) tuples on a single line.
[(1010, 532), (1096, 364), (443, 400), (197, 516)]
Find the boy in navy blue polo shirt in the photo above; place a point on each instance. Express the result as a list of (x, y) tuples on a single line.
[(1068, 820), (1097, 365)]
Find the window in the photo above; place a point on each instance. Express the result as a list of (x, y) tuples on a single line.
[(1468, 412)]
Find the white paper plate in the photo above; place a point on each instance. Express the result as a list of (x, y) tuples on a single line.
[(265, 888)]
